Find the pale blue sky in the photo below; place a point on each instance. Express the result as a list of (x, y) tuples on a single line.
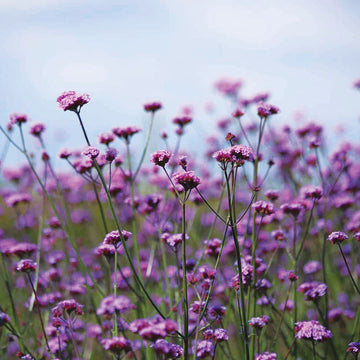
[(125, 53)]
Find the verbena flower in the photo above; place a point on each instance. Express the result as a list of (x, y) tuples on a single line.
[(168, 350), (70, 100), (153, 106), (114, 238), (4, 318), (337, 237), (266, 356), (117, 345), (312, 290), (69, 306), (17, 119), (126, 132), (187, 180), (37, 129), (263, 208), (204, 348), (161, 158), (354, 347), (312, 330), (26, 266), (264, 110)]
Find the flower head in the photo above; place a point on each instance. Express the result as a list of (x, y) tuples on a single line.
[(26, 265), (266, 356), (69, 306), (70, 100), (312, 330), (91, 152), (354, 347), (37, 129), (169, 350), (126, 132), (114, 237), (263, 208), (264, 110), (337, 237), (153, 106), (161, 158), (186, 179), (117, 345), (17, 119)]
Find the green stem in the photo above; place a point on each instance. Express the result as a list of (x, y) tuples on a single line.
[(184, 284)]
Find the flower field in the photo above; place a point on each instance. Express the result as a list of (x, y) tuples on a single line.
[(246, 250)]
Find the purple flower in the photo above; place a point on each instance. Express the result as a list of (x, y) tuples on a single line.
[(105, 138), (312, 267), (114, 238), (187, 180), (91, 152), (126, 132), (220, 335), (26, 265), (337, 237), (17, 119), (22, 249), (312, 330), (312, 290), (263, 208), (182, 121), (153, 106), (266, 356), (264, 110), (4, 318), (69, 306), (160, 158), (64, 153), (117, 345), (354, 347), (69, 100), (37, 129), (228, 87), (236, 154), (110, 154), (16, 199), (111, 304), (170, 351), (204, 348), (258, 322)]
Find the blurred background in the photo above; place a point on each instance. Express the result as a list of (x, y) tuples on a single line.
[(127, 53)]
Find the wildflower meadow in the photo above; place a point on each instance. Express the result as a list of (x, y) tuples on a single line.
[(246, 249)]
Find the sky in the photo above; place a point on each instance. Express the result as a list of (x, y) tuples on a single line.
[(127, 53)]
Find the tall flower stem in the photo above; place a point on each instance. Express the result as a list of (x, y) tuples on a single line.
[(184, 281), (348, 269), (39, 312), (134, 227), (253, 234), (145, 147), (66, 229), (232, 221)]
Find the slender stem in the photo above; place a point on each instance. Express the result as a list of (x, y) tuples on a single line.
[(348, 269), (134, 227), (238, 257), (184, 284), (115, 291), (145, 147), (39, 312)]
